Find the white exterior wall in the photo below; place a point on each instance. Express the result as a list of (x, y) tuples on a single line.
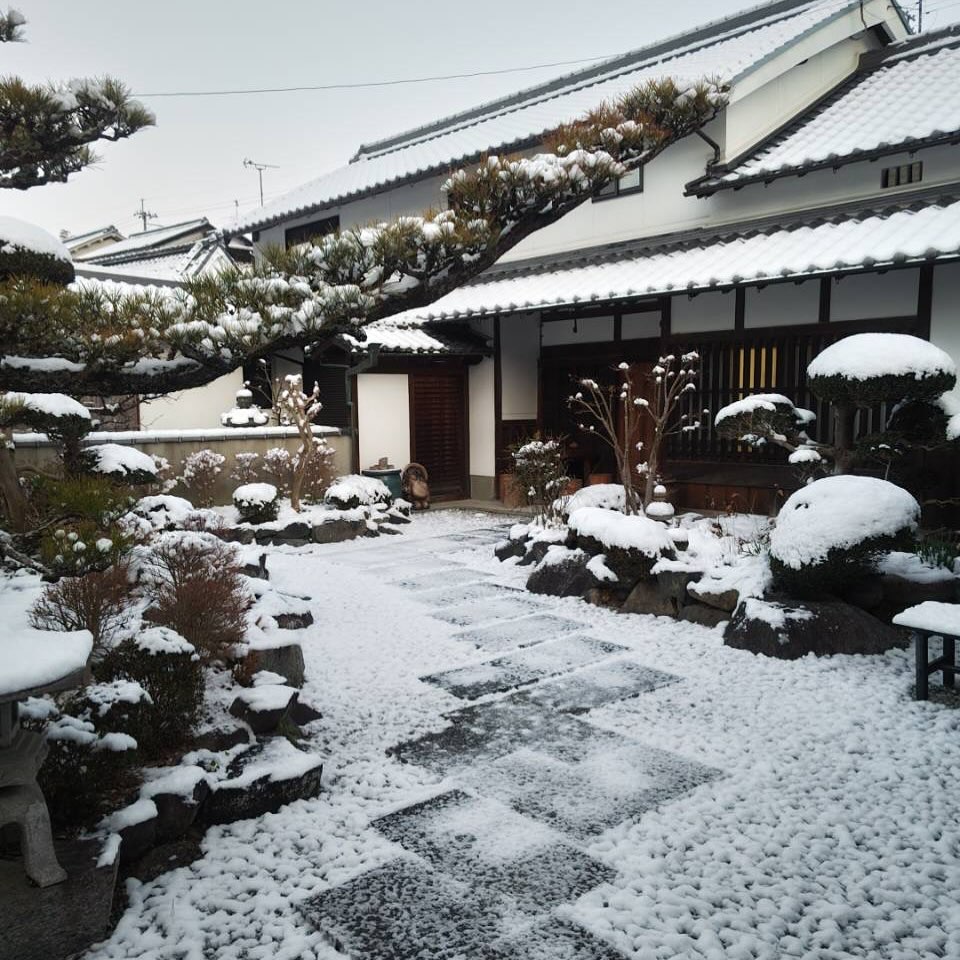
[(582, 330), (481, 417), (709, 311), (189, 409), (945, 312), (782, 304), (383, 418), (519, 360), (871, 295)]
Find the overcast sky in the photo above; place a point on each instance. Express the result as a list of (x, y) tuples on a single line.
[(190, 164)]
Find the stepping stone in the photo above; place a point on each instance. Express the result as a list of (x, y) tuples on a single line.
[(556, 940), (597, 685), (519, 633), (483, 842), (484, 732), (480, 611), (414, 579), (586, 794), (525, 666), (445, 596), (406, 911)]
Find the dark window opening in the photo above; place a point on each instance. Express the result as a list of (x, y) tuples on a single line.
[(257, 375), (331, 378), (631, 182), (902, 175), (307, 231)]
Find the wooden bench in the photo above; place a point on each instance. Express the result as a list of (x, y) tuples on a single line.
[(933, 618)]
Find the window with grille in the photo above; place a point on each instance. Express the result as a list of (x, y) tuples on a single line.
[(307, 231), (631, 182), (902, 175)]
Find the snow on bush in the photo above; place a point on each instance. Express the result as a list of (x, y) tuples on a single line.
[(615, 530), (540, 473), (867, 355), (828, 533), (357, 491), (200, 472), (19, 234), (47, 404), (608, 496), (257, 502), (124, 463), (245, 466)]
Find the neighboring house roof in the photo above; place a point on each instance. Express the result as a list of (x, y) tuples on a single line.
[(155, 239), (725, 50), (843, 239), (171, 267), (903, 97), (98, 236), (410, 338)]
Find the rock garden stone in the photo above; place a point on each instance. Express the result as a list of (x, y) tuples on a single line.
[(302, 713), (562, 573), (898, 593), (294, 621), (338, 530), (285, 659), (674, 583), (166, 857), (137, 826), (509, 548), (176, 812), (704, 615), (534, 552), (264, 708), (702, 592), (217, 740), (646, 597), (256, 570), (789, 630), (297, 534)]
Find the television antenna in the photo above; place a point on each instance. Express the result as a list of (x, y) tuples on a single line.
[(260, 167)]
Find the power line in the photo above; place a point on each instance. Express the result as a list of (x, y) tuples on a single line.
[(372, 83)]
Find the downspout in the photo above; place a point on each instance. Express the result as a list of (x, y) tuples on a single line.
[(712, 143), (367, 363)]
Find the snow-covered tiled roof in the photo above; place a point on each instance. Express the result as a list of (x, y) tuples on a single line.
[(394, 336), (809, 246), (906, 96), (148, 240), (91, 236), (724, 50), (169, 268)]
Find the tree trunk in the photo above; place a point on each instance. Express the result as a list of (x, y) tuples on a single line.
[(845, 415), (14, 501)]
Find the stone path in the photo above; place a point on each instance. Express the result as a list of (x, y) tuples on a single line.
[(527, 781)]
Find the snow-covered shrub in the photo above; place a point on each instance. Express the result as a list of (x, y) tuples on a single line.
[(166, 480), (540, 473), (200, 471), (168, 668), (608, 496), (122, 463), (245, 467), (354, 490), (195, 587), (829, 533), (257, 502), (631, 544), (97, 601), (278, 465)]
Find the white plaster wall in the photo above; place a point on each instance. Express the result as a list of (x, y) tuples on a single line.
[(640, 326), (189, 409), (945, 313), (582, 330), (782, 304), (481, 417), (519, 356), (709, 311), (867, 295), (383, 418)]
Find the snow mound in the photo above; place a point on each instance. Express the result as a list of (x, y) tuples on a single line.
[(839, 512), (866, 355), (114, 458), (608, 496), (16, 233), (617, 530), (355, 490), (254, 494)]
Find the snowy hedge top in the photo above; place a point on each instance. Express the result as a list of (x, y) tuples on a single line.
[(48, 404), (867, 355), (837, 513), (609, 496), (114, 458), (616, 530), (365, 490), (770, 402), (18, 234), (255, 493)]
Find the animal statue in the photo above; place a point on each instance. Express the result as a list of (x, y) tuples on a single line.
[(414, 482)]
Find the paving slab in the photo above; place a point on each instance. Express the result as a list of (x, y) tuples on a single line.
[(414, 579), (484, 732), (584, 795), (555, 940), (484, 842), (482, 611), (464, 593), (597, 685), (499, 637), (523, 667)]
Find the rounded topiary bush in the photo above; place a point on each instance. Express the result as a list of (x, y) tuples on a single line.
[(873, 367), (829, 533), (257, 502), (354, 490), (27, 250)]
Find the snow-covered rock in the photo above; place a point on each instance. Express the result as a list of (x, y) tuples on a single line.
[(117, 460)]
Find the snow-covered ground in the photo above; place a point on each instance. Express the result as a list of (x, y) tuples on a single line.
[(735, 807)]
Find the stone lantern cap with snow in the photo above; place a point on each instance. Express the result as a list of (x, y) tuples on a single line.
[(245, 413)]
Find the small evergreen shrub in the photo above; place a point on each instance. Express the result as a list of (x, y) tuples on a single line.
[(540, 473), (200, 472), (257, 502)]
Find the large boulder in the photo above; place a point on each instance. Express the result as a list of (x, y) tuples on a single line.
[(338, 529), (632, 544), (285, 659), (265, 707), (646, 597), (789, 630), (562, 573)]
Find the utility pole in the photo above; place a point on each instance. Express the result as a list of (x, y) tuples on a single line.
[(144, 214), (260, 167), (919, 16)]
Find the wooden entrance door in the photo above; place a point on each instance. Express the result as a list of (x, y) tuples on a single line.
[(438, 430)]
